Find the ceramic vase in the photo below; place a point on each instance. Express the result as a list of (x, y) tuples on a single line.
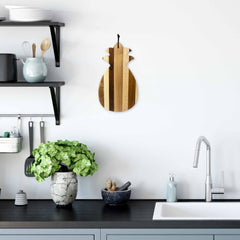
[(64, 187), (34, 70)]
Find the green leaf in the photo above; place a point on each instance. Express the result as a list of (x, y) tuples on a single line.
[(49, 158)]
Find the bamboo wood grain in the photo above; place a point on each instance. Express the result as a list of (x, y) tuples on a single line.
[(118, 88)]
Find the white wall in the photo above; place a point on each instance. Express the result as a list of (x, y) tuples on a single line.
[(187, 66)]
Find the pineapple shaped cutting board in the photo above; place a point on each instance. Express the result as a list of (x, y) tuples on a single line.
[(118, 88)]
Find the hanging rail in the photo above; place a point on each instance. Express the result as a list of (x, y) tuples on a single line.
[(28, 115)]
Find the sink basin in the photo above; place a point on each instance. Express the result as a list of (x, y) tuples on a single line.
[(197, 211)]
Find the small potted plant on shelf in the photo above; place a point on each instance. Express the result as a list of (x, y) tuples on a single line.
[(63, 161)]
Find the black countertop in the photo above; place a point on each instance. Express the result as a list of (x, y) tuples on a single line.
[(93, 214)]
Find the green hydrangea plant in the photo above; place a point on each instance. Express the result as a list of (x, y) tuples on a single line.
[(62, 156)]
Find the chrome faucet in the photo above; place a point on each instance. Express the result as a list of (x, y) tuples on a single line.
[(209, 190)]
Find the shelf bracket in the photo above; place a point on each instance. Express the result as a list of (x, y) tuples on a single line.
[(55, 34), (55, 94)]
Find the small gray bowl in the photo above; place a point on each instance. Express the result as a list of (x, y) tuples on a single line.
[(115, 198)]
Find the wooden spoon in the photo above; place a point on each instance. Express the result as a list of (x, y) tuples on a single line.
[(34, 50), (45, 45)]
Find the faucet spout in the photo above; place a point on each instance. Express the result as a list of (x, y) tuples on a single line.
[(197, 154), (208, 183)]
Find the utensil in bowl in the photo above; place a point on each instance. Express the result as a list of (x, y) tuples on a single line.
[(26, 49), (34, 50), (45, 45)]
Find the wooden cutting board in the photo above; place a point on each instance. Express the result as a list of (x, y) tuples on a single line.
[(118, 88)]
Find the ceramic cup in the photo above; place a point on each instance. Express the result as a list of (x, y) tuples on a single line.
[(34, 70)]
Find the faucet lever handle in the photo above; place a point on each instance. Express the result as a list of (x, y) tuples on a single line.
[(219, 190)]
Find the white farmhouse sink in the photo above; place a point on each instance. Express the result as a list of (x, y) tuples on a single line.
[(197, 211)]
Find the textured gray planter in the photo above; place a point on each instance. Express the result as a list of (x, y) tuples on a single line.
[(64, 187)]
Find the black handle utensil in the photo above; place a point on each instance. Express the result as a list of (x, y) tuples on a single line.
[(30, 159), (42, 136)]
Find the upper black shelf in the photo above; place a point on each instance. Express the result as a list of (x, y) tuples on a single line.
[(27, 84), (34, 24), (54, 30)]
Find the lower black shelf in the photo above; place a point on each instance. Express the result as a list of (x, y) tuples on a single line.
[(54, 87)]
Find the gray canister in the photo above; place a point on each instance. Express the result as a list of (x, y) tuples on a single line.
[(8, 67)]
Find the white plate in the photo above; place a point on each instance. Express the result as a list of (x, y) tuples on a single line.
[(29, 14), (14, 7)]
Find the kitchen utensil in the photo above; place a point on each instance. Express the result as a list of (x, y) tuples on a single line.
[(45, 45), (28, 14), (8, 67), (42, 136), (19, 123), (30, 159), (21, 198), (118, 88), (26, 49), (124, 186), (115, 198), (34, 70), (34, 50)]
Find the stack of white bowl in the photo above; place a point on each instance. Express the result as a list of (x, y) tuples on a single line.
[(28, 14)]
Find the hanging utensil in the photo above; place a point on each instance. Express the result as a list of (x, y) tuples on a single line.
[(30, 159), (26, 49), (19, 123), (34, 50), (42, 136), (45, 45)]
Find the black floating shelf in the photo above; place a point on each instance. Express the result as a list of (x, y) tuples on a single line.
[(30, 24), (54, 90), (27, 84), (54, 29)]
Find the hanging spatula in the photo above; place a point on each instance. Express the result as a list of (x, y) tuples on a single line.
[(42, 137), (30, 159)]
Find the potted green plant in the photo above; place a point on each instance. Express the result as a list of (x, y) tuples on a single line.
[(62, 160)]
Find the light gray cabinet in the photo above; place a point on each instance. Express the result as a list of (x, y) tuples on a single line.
[(159, 237), (227, 237), (152, 234), (47, 237), (120, 234), (49, 234)]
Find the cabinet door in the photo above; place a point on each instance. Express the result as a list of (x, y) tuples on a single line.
[(47, 237), (227, 237), (160, 237)]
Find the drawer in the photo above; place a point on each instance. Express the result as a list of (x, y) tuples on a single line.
[(160, 237), (227, 237), (47, 237)]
